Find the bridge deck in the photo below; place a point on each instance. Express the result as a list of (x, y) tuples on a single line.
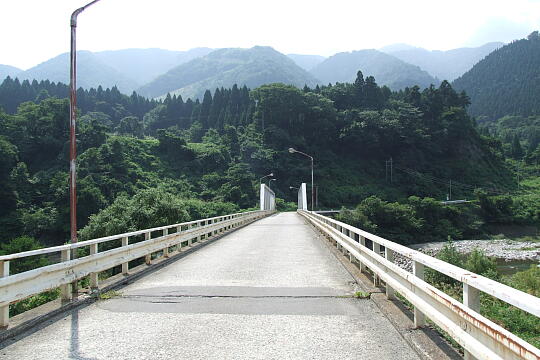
[(271, 290)]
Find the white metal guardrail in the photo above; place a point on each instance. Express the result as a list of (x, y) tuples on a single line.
[(20, 286), (480, 337)]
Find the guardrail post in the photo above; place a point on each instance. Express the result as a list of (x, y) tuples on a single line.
[(179, 245), (65, 290), (377, 251), (343, 249), (4, 310), (94, 282), (190, 240), (166, 249), (389, 255), (125, 266), (363, 245), (419, 317), (148, 257), (199, 224), (471, 299)]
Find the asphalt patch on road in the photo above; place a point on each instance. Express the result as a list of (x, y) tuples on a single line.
[(236, 300)]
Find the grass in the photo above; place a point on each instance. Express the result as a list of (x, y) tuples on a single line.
[(361, 295), (109, 295)]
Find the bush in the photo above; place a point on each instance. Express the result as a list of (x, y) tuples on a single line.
[(150, 208), (479, 263), (527, 281), (282, 205), (20, 244), (450, 255)]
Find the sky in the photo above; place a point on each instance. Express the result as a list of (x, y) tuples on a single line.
[(34, 31)]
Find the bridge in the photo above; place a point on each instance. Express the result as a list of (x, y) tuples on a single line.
[(257, 284)]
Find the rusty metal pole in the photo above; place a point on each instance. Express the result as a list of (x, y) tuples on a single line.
[(72, 139)]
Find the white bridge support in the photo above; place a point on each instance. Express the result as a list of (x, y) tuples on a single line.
[(302, 197), (480, 337), (267, 198)]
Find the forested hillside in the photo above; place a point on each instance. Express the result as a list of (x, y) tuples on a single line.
[(506, 82), (387, 69), (144, 163), (226, 67)]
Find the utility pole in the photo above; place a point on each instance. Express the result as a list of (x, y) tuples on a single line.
[(316, 196), (391, 170), (518, 169), (450, 189), (389, 164)]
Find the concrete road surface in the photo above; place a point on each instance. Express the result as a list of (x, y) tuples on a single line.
[(271, 290)]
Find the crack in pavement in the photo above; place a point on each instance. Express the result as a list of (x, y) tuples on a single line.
[(241, 296)]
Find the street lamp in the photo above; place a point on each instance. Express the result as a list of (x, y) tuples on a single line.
[(72, 140), (292, 187), (265, 176), (292, 151), (72, 117), (269, 181)]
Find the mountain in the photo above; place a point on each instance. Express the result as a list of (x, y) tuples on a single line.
[(226, 67), (144, 65), (8, 70), (306, 62), (91, 72), (506, 82), (445, 65), (388, 70), (396, 47)]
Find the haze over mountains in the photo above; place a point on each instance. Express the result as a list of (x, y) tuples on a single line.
[(155, 72), (7, 70), (388, 70), (127, 69), (445, 65)]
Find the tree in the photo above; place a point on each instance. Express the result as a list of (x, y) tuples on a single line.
[(131, 125), (516, 150)]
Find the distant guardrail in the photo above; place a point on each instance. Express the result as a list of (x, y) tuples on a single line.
[(17, 287), (480, 337)]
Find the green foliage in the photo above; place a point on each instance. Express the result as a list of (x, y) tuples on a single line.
[(150, 208), (527, 281), (33, 302), (20, 244), (478, 263), (215, 150), (450, 255), (282, 205), (418, 220)]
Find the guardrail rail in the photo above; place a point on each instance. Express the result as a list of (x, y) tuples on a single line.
[(480, 337), (17, 287)]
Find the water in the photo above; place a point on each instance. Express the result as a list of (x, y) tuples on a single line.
[(514, 266)]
